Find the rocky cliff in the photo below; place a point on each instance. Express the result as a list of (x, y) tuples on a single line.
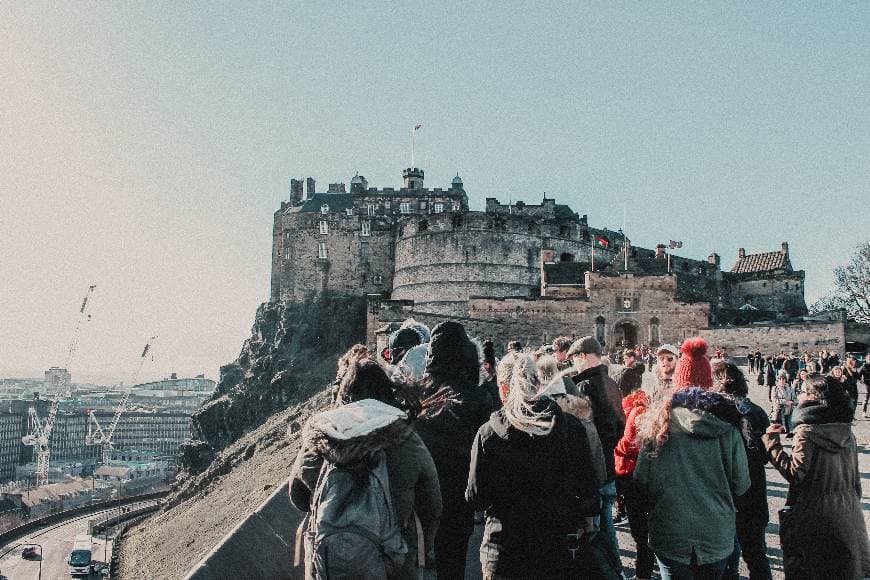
[(248, 432), (291, 354)]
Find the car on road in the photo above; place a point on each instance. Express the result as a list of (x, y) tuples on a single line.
[(30, 553)]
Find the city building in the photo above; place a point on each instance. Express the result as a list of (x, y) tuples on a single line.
[(173, 393), (56, 379), (10, 444), (160, 432)]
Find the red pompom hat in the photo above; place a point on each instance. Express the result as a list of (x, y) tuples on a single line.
[(693, 368)]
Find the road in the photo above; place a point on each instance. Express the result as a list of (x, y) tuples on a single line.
[(57, 542), (777, 488)]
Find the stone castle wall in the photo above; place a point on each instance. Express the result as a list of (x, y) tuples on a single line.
[(442, 261), (773, 338), (349, 267), (780, 293)]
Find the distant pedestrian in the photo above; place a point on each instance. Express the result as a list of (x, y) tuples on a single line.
[(864, 373), (822, 528), (784, 401)]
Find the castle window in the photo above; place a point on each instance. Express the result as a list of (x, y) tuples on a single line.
[(366, 229), (404, 207), (324, 227), (364, 251), (764, 284), (423, 226), (324, 209), (349, 211), (786, 286), (654, 331), (377, 279), (422, 205), (371, 209), (322, 251), (439, 207), (566, 257), (456, 206)]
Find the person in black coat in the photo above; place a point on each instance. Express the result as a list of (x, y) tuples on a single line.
[(531, 472), (752, 511), (454, 407)]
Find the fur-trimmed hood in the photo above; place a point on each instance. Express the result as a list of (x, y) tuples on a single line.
[(353, 433)]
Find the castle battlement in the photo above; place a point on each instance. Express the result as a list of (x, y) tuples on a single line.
[(427, 247)]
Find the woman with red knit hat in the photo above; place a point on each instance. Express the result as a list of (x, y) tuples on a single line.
[(693, 368), (692, 464)]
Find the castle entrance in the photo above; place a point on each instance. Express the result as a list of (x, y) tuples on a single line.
[(625, 334)]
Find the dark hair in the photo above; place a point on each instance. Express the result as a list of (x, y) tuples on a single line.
[(562, 343), (489, 353), (515, 345), (730, 379), (367, 379)]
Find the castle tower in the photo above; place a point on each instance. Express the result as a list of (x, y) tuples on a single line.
[(358, 184), (456, 183), (413, 178)]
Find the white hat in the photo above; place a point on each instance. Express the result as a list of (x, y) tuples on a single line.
[(668, 348)]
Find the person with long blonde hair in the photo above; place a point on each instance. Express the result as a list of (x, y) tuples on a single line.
[(531, 475)]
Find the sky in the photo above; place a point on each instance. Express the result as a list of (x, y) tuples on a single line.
[(144, 146)]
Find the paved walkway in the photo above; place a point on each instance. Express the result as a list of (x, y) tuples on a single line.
[(777, 489)]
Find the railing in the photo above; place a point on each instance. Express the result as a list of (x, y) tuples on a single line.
[(24, 529)]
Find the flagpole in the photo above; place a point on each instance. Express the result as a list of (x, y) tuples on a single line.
[(412, 146), (668, 254), (624, 238), (593, 255)]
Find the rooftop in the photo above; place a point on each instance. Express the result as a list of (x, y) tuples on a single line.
[(765, 262)]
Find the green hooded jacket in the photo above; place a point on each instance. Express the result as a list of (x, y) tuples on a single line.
[(692, 481)]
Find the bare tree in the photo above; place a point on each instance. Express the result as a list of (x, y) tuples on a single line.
[(851, 290)]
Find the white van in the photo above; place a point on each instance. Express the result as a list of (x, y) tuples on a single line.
[(80, 559)]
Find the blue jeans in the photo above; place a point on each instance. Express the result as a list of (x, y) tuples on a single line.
[(673, 570), (603, 547)]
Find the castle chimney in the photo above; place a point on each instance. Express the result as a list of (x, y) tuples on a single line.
[(336, 188), (785, 248), (741, 253), (413, 178), (714, 259), (296, 193), (309, 186), (660, 251)]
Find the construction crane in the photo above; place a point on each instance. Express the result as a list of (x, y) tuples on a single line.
[(99, 436), (39, 432)]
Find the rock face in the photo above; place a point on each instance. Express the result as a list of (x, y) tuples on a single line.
[(249, 432), (291, 354)]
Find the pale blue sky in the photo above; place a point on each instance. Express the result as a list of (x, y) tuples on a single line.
[(145, 146)]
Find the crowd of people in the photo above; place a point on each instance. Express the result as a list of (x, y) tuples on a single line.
[(544, 444)]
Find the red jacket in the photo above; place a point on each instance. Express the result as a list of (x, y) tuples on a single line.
[(626, 450)]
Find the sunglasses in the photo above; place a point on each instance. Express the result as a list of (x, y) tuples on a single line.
[(667, 358)]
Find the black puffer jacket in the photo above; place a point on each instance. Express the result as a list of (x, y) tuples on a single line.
[(595, 383), (535, 490), (448, 429)]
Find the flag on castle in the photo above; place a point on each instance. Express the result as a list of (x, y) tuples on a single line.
[(418, 126), (674, 245), (602, 242)]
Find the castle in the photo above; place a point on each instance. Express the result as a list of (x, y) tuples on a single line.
[(527, 271)]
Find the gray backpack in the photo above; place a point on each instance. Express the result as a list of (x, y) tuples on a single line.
[(352, 530)]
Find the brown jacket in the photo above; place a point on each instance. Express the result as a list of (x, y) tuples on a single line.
[(822, 532)]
